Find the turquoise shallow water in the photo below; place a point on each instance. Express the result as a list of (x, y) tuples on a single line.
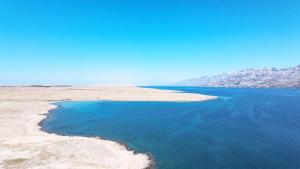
[(243, 129)]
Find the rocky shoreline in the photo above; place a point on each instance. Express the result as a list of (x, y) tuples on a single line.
[(151, 162), (25, 145)]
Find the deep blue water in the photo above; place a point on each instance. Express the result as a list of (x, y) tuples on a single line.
[(242, 129)]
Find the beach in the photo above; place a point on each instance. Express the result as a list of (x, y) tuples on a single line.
[(24, 145)]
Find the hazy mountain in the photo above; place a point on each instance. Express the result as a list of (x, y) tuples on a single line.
[(266, 77)]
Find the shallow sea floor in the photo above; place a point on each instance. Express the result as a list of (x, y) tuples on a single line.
[(242, 129)]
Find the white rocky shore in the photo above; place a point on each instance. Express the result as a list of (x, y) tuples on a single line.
[(24, 146)]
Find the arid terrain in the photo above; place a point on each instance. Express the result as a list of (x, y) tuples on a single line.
[(24, 146)]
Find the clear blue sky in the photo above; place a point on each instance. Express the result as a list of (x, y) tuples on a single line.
[(143, 41)]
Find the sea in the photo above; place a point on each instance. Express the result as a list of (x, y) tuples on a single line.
[(241, 129)]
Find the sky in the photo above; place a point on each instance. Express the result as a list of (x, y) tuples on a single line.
[(143, 42)]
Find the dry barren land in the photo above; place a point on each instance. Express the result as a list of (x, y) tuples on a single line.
[(24, 146)]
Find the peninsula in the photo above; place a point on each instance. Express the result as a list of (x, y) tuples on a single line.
[(24, 145)]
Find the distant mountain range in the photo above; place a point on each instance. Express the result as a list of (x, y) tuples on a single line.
[(255, 78)]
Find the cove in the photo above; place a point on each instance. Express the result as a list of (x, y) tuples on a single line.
[(242, 129)]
